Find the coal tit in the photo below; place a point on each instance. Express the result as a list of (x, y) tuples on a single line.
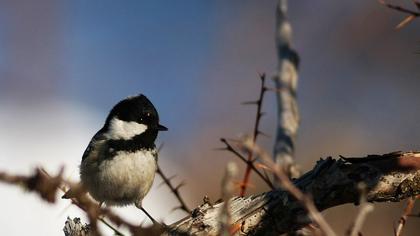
[(118, 166)]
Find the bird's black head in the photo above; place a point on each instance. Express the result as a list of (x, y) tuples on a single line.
[(131, 117)]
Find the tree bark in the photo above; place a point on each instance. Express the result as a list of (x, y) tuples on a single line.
[(388, 177)]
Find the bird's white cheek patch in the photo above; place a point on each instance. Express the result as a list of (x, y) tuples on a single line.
[(119, 129)]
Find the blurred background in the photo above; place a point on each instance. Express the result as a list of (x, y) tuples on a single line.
[(64, 64)]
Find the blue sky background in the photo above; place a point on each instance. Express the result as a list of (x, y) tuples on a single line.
[(64, 64)]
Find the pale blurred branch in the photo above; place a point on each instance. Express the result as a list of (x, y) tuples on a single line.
[(228, 188), (404, 216), (286, 81), (364, 209), (388, 177)]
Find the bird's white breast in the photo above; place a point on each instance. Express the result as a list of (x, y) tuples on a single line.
[(122, 180)]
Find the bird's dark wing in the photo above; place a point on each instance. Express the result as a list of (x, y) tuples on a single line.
[(99, 136)]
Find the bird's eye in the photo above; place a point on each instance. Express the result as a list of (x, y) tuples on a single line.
[(148, 114)]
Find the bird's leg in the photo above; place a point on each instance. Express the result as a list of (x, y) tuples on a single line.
[(148, 215)]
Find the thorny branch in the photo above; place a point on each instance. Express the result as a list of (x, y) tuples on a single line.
[(256, 131), (174, 190), (411, 14)]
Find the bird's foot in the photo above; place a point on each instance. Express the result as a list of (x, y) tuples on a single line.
[(155, 222)]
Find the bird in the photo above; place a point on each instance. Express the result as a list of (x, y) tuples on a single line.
[(119, 164)]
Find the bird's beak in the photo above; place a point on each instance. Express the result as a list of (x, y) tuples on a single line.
[(161, 128)]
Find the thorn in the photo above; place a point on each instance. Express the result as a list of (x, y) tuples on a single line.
[(170, 178), (179, 186), (250, 103), (227, 140), (263, 134), (234, 140)]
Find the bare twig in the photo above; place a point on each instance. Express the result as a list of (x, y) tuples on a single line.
[(404, 216), (286, 85), (174, 190), (251, 163), (365, 208), (256, 131), (285, 182), (411, 14)]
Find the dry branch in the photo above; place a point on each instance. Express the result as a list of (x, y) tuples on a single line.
[(404, 217), (174, 190), (389, 177)]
